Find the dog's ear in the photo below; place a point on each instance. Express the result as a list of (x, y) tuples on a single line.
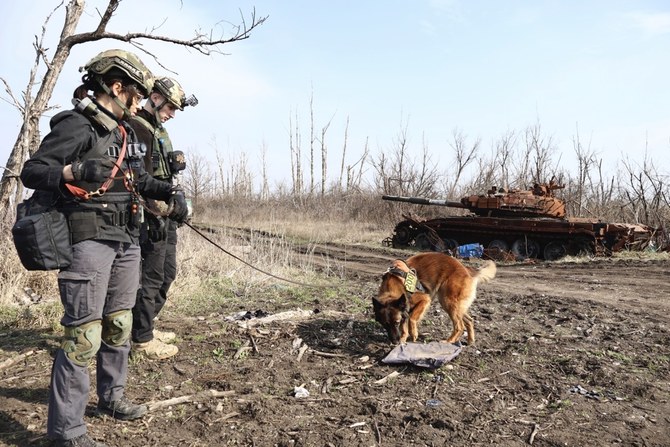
[(376, 305), (401, 303)]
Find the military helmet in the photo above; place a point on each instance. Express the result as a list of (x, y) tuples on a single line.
[(172, 91), (125, 61)]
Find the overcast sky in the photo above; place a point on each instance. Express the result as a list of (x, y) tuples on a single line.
[(431, 66)]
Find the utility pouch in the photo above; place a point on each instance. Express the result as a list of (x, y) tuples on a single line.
[(136, 215), (41, 237), (155, 161), (177, 161), (83, 225)]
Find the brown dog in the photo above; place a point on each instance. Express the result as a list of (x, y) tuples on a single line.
[(399, 307)]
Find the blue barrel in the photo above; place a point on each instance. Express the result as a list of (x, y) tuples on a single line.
[(470, 251)]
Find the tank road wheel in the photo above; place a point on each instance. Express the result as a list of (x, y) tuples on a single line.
[(497, 249), (423, 243), (525, 248), (450, 244), (582, 247), (555, 250), (498, 245), (402, 236)]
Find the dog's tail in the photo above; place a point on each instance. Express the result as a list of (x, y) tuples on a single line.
[(487, 272)]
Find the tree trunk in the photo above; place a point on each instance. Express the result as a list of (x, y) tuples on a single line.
[(28, 140)]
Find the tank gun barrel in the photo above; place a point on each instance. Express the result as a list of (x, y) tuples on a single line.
[(424, 201)]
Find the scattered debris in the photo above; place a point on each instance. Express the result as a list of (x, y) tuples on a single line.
[(247, 319), (383, 380), (300, 391), (189, 398), (584, 392), (14, 360)]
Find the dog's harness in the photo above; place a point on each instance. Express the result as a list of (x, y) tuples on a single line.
[(410, 281)]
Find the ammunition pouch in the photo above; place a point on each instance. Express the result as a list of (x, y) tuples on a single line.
[(157, 229), (82, 342), (41, 236), (85, 224)]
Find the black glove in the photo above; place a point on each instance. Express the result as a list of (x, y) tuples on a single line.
[(179, 207), (157, 229), (94, 170)]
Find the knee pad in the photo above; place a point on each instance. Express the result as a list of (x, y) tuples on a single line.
[(116, 327), (82, 342)]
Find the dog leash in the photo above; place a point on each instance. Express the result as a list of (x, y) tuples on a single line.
[(247, 263)]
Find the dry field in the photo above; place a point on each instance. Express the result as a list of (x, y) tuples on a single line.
[(575, 353)]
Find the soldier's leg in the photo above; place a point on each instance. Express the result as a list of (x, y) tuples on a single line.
[(153, 258), (169, 267), (82, 289), (112, 365)]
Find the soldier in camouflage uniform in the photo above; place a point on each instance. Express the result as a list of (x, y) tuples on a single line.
[(90, 168), (159, 234)]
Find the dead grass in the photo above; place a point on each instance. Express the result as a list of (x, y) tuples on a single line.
[(207, 276), (348, 219)]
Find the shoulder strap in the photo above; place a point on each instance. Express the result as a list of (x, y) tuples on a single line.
[(86, 195), (145, 123)]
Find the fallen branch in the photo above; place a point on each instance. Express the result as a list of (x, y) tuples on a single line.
[(241, 351), (383, 380), (533, 434), (301, 352), (224, 417), (189, 398), (253, 342), (377, 432), (326, 354), (14, 360), (292, 315)]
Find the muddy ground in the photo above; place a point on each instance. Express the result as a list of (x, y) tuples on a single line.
[(567, 354)]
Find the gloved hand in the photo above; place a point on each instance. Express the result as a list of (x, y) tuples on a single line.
[(180, 208), (157, 229), (94, 170)]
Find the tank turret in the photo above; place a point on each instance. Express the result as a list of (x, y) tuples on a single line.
[(536, 202)]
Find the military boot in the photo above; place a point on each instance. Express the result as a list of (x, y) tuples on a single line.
[(80, 441), (155, 350), (165, 337), (122, 409)]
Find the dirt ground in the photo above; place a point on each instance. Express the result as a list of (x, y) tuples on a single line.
[(567, 354)]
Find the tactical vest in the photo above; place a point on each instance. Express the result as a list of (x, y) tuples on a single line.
[(160, 154), (99, 216)]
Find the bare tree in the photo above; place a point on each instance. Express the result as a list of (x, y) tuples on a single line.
[(401, 174), (354, 177), (344, 152), (296, 155), (312, 139), (33, 107), (197, 177), (539, 152), (464, 155), (324, 156), (265, 184)]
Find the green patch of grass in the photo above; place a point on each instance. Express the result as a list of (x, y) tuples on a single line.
[(41, 316), (560, 404), (219, 354), (623, 358)]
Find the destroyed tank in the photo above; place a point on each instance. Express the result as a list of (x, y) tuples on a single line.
[(524, 223)]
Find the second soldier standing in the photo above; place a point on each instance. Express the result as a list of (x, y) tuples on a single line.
[(158, 236)]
